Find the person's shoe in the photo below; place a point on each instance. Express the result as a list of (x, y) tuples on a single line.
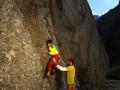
[(46, 76)]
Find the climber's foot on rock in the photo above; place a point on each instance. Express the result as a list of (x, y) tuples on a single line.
[(46, 76)]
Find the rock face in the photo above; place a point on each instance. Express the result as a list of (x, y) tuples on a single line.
[(25, 25), (23, 32), (112, 85), (109, 28)]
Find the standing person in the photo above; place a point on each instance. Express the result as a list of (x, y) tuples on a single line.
[(70, 74), (55, 57)]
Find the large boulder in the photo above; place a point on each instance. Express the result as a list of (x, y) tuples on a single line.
[(25, 25), (109, 29)]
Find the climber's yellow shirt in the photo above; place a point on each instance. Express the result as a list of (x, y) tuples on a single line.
[(70, 75), (53, 50)]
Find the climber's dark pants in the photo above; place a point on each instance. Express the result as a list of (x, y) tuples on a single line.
[(70, 87), (54, 59)]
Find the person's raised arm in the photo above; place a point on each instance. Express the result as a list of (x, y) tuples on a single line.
[(61, 68)]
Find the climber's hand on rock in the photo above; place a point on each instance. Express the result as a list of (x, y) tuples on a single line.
[(46, 51)]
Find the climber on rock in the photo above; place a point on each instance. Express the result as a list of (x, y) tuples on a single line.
[(54, 57), (70, 69)]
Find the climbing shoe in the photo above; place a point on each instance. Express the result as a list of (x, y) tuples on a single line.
[(46, 76)]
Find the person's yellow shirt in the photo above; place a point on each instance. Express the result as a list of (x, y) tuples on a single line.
[(70, 75), (53, 50)]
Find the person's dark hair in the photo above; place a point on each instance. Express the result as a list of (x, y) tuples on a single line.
[(71, 60), (49, 41)]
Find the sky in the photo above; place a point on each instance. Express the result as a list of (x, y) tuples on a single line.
[(101, 7)]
